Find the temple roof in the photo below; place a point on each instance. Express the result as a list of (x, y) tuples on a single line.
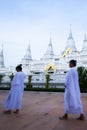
[(84, 46)]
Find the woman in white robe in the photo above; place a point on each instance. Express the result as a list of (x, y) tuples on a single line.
[(72, 100), (14, 98)]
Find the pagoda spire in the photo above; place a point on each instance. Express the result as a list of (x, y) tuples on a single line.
[(70, 33), (28, 49), (50, 38), (49, 53), (1, 58), (84, 46), (50, 47), (2, 49), (27, 56), (70, 45), (85, 37)]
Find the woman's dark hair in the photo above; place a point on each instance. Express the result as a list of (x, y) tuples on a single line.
[(74, 62), (19, 67)]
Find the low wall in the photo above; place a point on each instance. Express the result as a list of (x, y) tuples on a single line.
[(37, 85)]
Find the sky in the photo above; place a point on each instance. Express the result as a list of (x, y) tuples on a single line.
[(24, 22)]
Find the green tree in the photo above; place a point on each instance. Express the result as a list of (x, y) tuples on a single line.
[(47, 81), (11, 76), (1, 76), (29, 84), (82, 72)]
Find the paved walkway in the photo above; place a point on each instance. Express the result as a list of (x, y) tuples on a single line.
[(41, 111)]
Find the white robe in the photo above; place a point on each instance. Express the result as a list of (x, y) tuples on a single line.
[(14, 98), (72, 99)]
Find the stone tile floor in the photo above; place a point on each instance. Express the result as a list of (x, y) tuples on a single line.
[(41, 111)]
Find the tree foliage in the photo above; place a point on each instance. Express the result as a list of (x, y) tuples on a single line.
[(82, 72)]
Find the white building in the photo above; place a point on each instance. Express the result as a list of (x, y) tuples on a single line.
[(50, 63), (56, 64)]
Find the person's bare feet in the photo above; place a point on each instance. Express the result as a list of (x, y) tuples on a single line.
[(65, 117), (7, 112), (16, 111), (81, 117)]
